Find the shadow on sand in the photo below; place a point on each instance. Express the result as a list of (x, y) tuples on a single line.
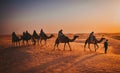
[(60, 64), (13, 58)]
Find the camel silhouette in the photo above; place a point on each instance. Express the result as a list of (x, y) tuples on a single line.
[(36, 36), (41, 37), (95, 42), (45, 38), (26, 37), (15, 39), (64, 40)]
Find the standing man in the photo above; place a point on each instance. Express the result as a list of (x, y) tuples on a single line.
[(106, 46)]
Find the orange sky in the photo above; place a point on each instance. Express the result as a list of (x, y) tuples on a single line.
[(72, 16)]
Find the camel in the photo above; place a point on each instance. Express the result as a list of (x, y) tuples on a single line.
[(95, 42), (65, 40), (36, 36), (42, 36), (45, 38), (15, 39), (26, 37)]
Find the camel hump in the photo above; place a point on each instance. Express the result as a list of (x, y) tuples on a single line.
[(92, 38), (62, 38)]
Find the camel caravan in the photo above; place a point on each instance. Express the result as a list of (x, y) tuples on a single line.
[(26, 37)]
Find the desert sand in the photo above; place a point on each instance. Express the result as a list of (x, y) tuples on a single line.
[(41, 59)]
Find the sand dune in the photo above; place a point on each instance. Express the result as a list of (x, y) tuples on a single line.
[(41, 59)]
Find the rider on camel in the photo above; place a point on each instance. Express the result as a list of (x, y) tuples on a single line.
[(27, 33), (14, 35), (61, 35), (91, 36), (42, 33), (35, 33)]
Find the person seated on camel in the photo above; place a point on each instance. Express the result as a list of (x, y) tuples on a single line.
[(14, 35), (28, 34), (24, 34), (42, 33), (61, 35), (34, 34), (91, 36)]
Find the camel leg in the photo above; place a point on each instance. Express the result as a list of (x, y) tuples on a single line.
[(95, 47), (27, 43), (89, 47), (64, 46), (37, 41), (69, 47), (45, 43), (33, 40), (55, 46), (58, 46), (85, 44)]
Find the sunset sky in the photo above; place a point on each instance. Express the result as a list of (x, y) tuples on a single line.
[(73, 16)]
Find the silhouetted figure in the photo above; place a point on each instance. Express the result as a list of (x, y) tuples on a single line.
[(28, 34), (15, 39), (44, 37), (60, 33), (35, 35), (91, 36), (106, 46), (14, 35), (66, 40), (95, 42), (24, 34), (42, 34), (61, 36), (63, 39)]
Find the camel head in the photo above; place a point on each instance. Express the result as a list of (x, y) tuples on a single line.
[(76, 36), (71, 40), (51, 35), (102, 39)]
